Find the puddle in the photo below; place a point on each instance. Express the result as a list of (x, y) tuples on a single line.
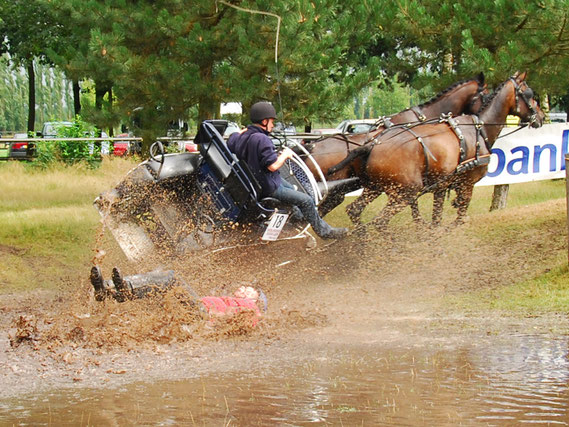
[(523, 379)]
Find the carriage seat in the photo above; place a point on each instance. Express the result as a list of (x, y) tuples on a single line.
[(175, 165), (233, 175)]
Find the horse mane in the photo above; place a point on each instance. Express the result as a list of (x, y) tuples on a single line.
[(493, 95), (479, 79)]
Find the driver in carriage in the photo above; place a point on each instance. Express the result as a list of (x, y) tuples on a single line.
[(255, 147)]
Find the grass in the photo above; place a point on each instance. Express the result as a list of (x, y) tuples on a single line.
[(545, 293), (48, 230), (519, 195), (47, 221)]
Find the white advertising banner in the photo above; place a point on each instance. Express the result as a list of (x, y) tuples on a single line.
[(528, 155)]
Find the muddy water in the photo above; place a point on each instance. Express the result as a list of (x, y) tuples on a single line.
[(512, 381)]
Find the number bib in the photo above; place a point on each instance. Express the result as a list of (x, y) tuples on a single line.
[(278, 220)]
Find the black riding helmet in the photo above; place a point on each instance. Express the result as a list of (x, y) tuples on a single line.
[(261, 111)]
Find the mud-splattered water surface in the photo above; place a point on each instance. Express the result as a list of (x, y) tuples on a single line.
[(359, 334), (523, 379)]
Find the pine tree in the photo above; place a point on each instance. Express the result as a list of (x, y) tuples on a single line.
[(442, 41), (169, 56)]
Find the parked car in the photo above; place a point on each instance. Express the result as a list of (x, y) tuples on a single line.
[(281, 128), (325, 131), (123, 148), (558, 117), (190, 147), (348, 126), (232, 127), (19, 150), (356, 126), (49, 129)]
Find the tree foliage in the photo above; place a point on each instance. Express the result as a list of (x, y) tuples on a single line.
[(162, 60), (441, 41), (27, 28), (53, 101), (171, 55)]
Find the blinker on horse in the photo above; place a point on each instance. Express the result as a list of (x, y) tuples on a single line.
[(450, 154)]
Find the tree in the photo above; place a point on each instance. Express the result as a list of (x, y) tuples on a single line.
[(437, 42), (169, 56), (27, 28)]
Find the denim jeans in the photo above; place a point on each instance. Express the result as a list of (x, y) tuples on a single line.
[(287, 194)]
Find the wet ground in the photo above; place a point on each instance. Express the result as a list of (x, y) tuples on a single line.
[(360, 333)]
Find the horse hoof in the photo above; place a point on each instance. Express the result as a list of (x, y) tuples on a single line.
[(459, 222)]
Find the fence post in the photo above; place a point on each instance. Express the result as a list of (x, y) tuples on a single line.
[(567, 197)]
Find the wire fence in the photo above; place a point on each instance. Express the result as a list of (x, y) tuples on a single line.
[(26, 148)]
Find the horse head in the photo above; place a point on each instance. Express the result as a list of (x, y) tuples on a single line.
[(514, 97), (479, 97), (526, 107), (464, 97)]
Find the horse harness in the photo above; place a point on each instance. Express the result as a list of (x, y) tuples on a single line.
[(418, 113), (465, 164)]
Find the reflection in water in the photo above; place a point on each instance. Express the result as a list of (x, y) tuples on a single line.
[(524, 381)]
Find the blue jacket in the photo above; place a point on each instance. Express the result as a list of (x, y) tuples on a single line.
[(255, 148)]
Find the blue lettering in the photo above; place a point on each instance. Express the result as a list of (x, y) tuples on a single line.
[(524, 161), (501, 162), (564, 147), (538, 149)]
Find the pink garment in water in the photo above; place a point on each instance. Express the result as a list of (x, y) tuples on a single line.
[(219, 306)]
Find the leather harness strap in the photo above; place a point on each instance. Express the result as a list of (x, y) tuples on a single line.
[(419, 114)]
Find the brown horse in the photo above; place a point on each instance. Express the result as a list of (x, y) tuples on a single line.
[(462, 97), (451, 154)]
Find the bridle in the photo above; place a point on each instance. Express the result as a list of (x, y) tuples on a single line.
[(526, 95)]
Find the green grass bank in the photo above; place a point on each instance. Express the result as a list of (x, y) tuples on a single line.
[(49, 228)]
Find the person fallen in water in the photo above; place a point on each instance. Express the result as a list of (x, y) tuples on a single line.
[(119, 288)]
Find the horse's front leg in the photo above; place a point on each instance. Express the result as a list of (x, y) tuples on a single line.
[(438, 202), (355, 209), (463, 198), (414, 205), (394, 205)]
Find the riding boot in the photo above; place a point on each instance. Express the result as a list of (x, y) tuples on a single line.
[(334, 233), (101, 286), (141, 285), (122, 293)]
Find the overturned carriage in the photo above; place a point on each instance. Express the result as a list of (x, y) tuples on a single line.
[(205, 201)]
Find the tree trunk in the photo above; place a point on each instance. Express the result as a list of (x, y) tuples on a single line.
[(544, 104), (31, 96), (208, 107), (500, 197), (111, 130), (76, 97), (100, 92)]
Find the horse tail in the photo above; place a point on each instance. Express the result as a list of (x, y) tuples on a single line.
[(362, 151)]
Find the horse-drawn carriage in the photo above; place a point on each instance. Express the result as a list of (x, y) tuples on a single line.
[(205, 201), (176, 203)]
